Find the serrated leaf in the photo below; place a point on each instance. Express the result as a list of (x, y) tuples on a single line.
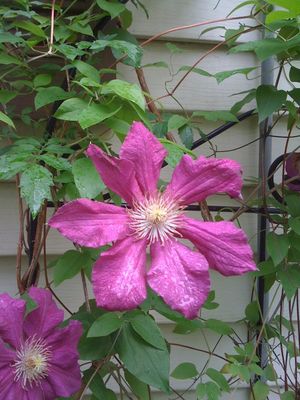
[(269, 100), (86, 178), (105, 325), (148, 364), (277, 247), (5, 118), (147, 328), (9, 166), (68, 266), (49, 95), (125, 90), (58, 163), (35, 186), (185, 370), (219, 378)]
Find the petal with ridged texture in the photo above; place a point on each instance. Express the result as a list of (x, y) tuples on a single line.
[(195, 180), (11, 320), (145, 151), (46, 317), (225, 246), (180, 276), (90, 223), (119, 275), (118, 174)]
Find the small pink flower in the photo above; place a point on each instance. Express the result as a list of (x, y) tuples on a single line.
[(38, 360), (292, 167), (178, 274)]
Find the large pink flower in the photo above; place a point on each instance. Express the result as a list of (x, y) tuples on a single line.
[(178, 274), (38, 359)]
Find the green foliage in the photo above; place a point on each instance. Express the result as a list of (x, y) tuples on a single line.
[(86, 178), (185, 371)]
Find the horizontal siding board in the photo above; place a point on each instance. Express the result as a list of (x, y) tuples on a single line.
[(173, 13), (197, 92)]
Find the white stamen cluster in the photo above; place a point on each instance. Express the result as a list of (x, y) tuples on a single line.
[(156, 218), (31, 364)]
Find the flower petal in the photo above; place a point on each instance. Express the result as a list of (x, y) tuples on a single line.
[(90, 223), (146, 152), (7, 356), (180, 276), (45, 318), (9, 389), (195, 180), (11, 319), (119, 275), (224, 245), (64, 371), (117, 174)]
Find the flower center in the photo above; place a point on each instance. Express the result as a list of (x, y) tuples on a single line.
[(31, 364), (156, 218)]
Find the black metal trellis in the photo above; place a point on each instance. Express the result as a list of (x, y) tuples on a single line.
[(50, 127)]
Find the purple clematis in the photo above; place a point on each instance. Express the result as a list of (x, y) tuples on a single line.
[(178, 274), (38, 360), (292, 167)]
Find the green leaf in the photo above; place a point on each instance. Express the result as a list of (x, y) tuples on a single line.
[(121, 48), (146, 327), (291, 5), (278, 15), (81, 27), (87, 70), (260, 390), (216, 115), (35, 186), (7, 37), (30, 27), (277, 247), (293, 203), (221, 76), (209, 390), (97, 385), (42, 80), (6, 59), (5, 118), (294, 223), (105, 325), (70, 52), (71, 109), (287, 396), (96, 113), (269, 100), (9, 166), (113, 8), (49, 95), (290, 280), (295, 95), (7, 95), (185, 370), (219, 378), (186, 136), (218, 326), (68, 265), (294, 74), (87, 179), (196, 70), (139, 388), (173, 48), (125, 90), (174, 154), (176, 122), (58, 163), (252, 312), (148, 364)]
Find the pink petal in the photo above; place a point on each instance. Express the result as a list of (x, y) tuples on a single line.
[(46, 317), (9, 389), (64, 372), (224, 245), (11, 320), (90, 223), (7, 356), (119, 275), (145, 151), (180, 276), (117, 174), (195, 180)]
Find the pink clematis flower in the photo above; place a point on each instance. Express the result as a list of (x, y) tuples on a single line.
[(38, 360), (178, 274), (292, 167)]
